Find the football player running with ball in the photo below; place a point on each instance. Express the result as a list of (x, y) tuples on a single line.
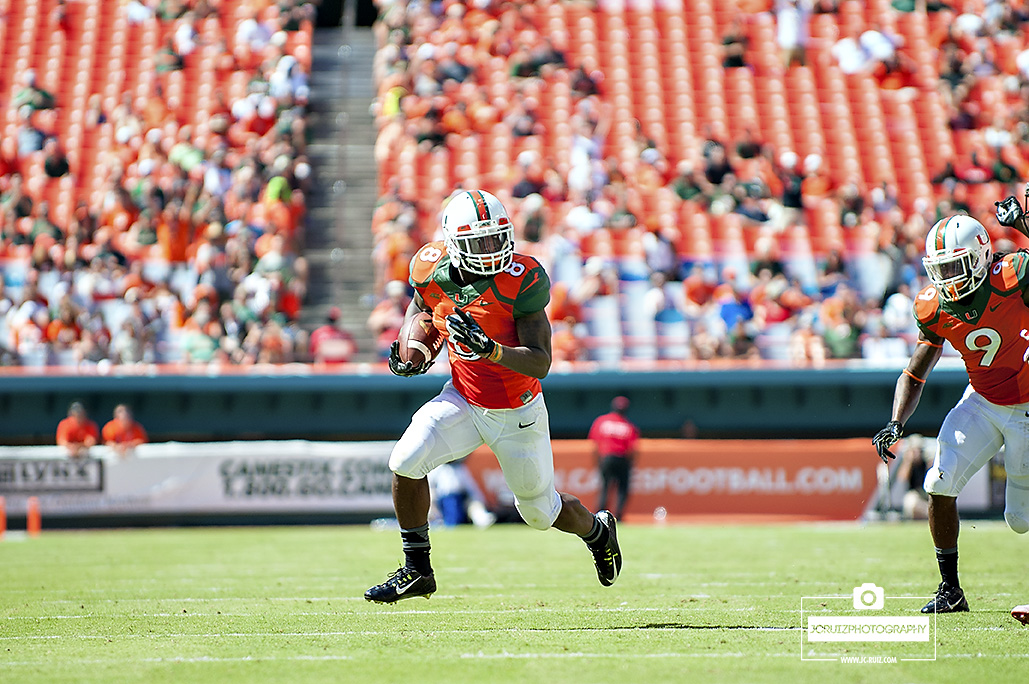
[(489, 303), (979, 302)]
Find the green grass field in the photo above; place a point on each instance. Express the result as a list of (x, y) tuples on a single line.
[(694, 603)]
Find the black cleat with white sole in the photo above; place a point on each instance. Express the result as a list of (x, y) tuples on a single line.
[(607, 557), (948, 599), (404, 583)]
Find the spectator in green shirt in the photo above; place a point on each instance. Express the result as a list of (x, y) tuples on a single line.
[(32, 96)]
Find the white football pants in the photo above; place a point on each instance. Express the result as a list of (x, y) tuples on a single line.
[(973, 431), (448, 428)]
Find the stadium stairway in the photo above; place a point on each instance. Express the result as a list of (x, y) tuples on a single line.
[(342, 138)]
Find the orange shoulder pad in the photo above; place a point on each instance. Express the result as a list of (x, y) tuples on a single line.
[(1003, 275), (424, 262), (927, 304)]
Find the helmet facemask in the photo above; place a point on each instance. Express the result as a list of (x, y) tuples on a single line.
[(955, 274), (484, 249)]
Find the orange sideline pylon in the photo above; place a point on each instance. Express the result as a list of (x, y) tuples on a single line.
[(33, 518)]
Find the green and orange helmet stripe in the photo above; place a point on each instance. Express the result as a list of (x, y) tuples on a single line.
[(479, 202), (941, 233)]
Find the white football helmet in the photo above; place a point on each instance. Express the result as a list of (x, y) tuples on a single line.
[(957, 256), (478, 233)]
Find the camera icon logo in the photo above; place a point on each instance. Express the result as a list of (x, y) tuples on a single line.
[(868, 597)]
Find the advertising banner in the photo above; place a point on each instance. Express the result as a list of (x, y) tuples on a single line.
[(780, 479), (801, 479), (210, 478)]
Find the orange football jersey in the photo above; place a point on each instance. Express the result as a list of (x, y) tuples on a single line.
[(494, 302), (991, 332)]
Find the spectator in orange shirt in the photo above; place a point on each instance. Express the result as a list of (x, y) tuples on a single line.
[(122, 433), (63, 332), (455, 120), (816, 181), (77, 433), (565, 342), (392, 255)]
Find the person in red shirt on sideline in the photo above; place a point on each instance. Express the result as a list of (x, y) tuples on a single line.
[(122, 433), (614, 441), (77, 433), (330, 343)]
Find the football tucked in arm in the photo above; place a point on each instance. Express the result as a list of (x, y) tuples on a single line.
[(419, 339)]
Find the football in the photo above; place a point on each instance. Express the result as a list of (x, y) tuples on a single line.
[(419, 339)]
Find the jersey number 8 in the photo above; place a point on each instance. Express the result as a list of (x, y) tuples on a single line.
[(430, 254)]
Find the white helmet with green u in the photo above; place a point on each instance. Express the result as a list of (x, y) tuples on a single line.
[(957, 256), (478, 233)]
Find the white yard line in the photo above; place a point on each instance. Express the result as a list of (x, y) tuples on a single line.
[(371, 632), (464, 656), (201, 659), (626, 656), (531, 656)]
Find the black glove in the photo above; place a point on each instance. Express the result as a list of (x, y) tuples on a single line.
[(464, 330), (886, 438), (1009, 211), (404, 369)]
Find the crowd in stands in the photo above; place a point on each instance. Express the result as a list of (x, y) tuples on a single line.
[(649, 297), (188, 245), (183, 242)]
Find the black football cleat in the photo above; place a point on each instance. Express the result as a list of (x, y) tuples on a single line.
[(1021, 613), (948, 599), (404, 583), (607, 558)]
